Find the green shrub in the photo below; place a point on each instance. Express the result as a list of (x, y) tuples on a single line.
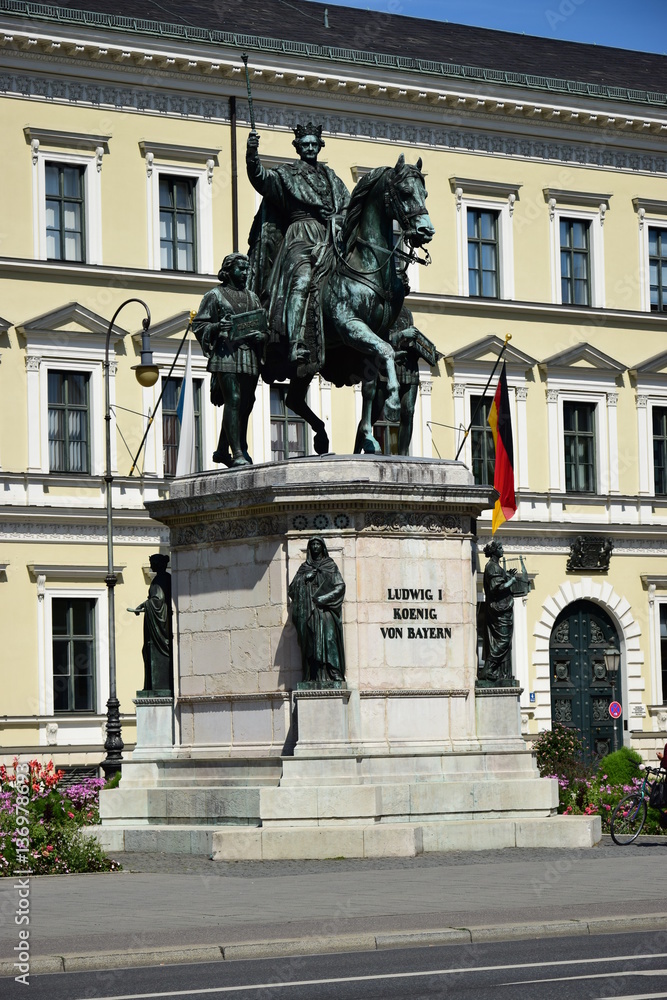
[(620, 767), (113, 782)]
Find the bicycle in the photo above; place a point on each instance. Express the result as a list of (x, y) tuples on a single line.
[(629, 816)]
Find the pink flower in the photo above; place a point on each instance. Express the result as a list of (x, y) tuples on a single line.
[(71, 815)]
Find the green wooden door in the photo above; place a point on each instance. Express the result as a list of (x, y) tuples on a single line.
[(580, 688)]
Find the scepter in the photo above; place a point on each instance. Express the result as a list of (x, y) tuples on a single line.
[(244, 57)]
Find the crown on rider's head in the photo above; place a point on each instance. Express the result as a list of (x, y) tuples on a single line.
[(308, 129)]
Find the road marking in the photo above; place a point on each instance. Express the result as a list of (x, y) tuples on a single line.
[(638, 996), (202, 991), (595, 975)]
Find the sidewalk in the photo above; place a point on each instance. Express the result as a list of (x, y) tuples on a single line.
[(170, 908)]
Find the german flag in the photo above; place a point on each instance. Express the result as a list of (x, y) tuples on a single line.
[(500, 422)]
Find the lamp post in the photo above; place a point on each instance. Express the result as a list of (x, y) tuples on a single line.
[(147, 375), (612, 661)]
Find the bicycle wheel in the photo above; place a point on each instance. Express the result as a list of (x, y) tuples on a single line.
[(628, 819)]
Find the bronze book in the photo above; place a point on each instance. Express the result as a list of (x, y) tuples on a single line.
[(247, 322)]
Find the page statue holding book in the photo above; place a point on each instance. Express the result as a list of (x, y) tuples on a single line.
[(231, 329)]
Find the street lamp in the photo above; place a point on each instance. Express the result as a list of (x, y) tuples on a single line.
[(612, 661), (147, 375)]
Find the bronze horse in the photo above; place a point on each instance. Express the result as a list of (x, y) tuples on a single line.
[(362, 286)]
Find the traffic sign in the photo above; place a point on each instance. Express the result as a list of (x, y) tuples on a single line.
[(615, 709)]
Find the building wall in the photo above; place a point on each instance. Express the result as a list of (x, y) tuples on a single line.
[(504, 149)]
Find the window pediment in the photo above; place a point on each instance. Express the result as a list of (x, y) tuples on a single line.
[(582, 356), (656, 365), (172, 327), (54, 138), (65, 574), (467, 186), (71, 318), (202, 156), (580, 199), (649, 206), (482, 353)]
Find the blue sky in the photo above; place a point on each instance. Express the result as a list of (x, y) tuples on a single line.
[(640, 25)]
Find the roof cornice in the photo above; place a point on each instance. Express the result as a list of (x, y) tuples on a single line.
[(571, 89)]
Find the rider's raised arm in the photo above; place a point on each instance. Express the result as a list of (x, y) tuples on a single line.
[(264, 181)]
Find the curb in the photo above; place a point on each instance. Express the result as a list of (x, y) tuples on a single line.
[(321, 945)]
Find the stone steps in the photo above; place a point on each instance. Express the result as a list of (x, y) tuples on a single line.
[(404, 839)]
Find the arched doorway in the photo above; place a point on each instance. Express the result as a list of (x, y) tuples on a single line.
[(580, 687)]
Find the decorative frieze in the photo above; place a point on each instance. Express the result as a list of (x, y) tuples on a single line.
[(395, 521), (32, 531), (390, 130)]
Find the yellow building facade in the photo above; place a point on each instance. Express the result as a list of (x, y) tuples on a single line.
[(124, 176)]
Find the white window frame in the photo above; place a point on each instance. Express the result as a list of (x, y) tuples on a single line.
[(260, 431), (181, 161), (659, 695), (210, 417), (589, 207), (466, 386), (646, 223), (92, 194), (421, 443), (606, 435), (487, 196), (647, 399), (48, 347), (95, 422), (99, 595)]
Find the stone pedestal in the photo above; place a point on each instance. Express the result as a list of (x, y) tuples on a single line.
[(155, 725), (401, 533), (408, 757), (323, 722), (498, 717)]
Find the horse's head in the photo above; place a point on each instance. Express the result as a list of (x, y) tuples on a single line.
[(406, 197)]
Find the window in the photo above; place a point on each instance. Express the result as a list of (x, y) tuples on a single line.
[(663, 650), (67, 171), (484, 236), (65, 224), (177, 224), (579, 437), (481, 440), (171, 425), (575, 268), (68, 422), (288, 431), (483, 253), (660, 449), (385, 433), (657, 260), (73, 631)]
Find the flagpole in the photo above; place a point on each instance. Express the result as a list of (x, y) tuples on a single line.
[(508, 337), (151, 417)]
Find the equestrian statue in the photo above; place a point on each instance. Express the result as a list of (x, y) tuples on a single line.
[(330, 271)]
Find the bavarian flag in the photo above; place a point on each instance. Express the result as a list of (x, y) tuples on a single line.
[(500, 421)]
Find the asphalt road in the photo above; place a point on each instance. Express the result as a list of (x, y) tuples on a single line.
[(606, 967)]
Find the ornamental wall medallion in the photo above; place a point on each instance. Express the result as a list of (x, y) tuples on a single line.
[(590, 553)]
